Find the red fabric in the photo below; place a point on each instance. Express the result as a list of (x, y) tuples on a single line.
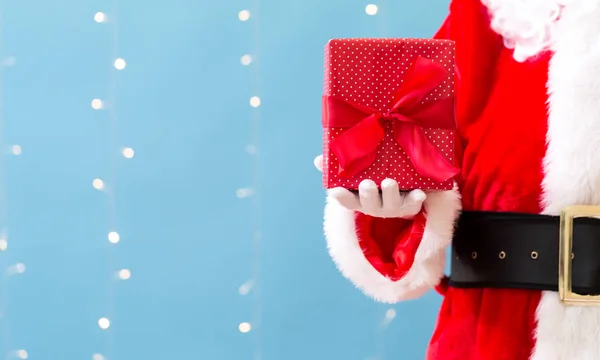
[(442, 287), (390, 245), (502, 122), (485, 324), (357, 148), (381, 90)]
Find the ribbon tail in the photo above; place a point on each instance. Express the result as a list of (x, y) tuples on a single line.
[(426, 158), (356, 149)]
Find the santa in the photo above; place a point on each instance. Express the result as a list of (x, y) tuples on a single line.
[(528, 110)]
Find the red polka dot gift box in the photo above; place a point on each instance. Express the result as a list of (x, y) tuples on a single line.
[(388, 112)]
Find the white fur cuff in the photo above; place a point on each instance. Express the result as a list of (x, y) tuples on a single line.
[(340, 231)]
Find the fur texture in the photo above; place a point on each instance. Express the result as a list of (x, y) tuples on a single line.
[(345, 248), (572, 166), (527, 26)]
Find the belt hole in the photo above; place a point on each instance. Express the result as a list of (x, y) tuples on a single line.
[(534, 255), (474, 255), (502, 255)]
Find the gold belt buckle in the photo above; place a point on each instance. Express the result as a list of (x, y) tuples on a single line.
[(565, 261)]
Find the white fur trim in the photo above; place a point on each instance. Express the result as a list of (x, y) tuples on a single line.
[(526, 26), (572, 166), (343, 244)]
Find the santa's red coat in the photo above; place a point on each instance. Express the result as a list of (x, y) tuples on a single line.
[(530, 136)]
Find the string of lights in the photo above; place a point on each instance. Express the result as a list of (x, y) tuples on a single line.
[(253, 286), (18, 268), (3, 203), (108, 186)]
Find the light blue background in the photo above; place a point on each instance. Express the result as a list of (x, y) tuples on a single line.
[(182, 105)]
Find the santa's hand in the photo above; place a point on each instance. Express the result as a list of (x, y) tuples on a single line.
[(390, 203)]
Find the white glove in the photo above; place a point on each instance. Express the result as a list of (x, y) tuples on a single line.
[(390, 204)]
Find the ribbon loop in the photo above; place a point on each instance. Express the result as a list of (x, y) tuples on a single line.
[(356, 148)]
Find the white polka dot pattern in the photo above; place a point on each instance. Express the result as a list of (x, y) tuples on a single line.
[(370, 72)]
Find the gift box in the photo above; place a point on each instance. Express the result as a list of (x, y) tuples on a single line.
[(388, 112)]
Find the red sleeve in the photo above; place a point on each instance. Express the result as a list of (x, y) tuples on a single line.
[(477, 50)]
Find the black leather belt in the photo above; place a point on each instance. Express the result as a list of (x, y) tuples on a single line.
[(508, 250)]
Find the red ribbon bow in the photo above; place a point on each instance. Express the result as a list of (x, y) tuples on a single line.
[(356, 148)]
